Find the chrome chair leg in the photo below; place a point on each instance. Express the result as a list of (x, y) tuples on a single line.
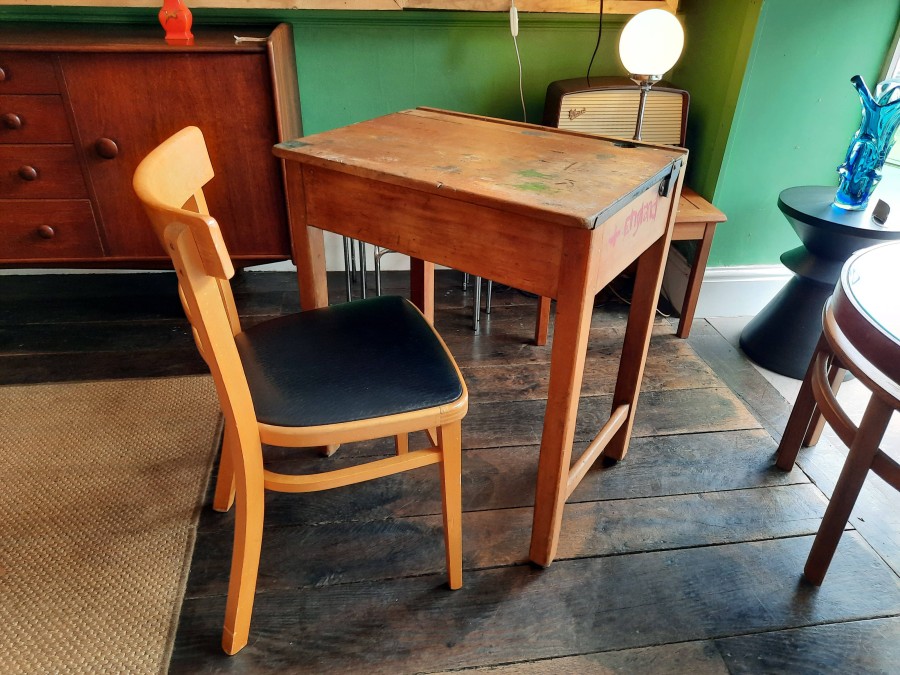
[(476, 306), (378, 253), (352, 259), (347, 271), (362, 270)]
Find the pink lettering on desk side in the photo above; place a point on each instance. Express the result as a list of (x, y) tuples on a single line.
[(646, 212)]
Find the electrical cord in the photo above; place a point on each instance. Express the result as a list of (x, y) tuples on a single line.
[(628, 302), (596, 46), (514, 30)]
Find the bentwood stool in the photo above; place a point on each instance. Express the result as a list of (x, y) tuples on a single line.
[(355, 371), (861, 333)]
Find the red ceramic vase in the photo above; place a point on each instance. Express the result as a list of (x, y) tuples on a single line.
[(176, 19)]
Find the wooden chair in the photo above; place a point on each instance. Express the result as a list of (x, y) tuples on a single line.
[(345, 373), (861, 333)]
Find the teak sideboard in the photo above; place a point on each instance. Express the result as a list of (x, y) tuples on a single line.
[(80, 106)]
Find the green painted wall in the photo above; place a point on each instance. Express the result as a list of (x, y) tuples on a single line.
[(771, 105), (795, 115), (718, 37), (360, 67)]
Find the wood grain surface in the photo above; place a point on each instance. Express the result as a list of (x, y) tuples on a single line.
[(685, 557)]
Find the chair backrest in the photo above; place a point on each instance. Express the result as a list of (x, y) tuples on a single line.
[(169, 183), (170, 180)]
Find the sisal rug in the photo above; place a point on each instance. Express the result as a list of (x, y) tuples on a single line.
[(101, 485)]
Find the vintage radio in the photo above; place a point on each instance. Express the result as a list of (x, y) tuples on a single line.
[(607, 106)]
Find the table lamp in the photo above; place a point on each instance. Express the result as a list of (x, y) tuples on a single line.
[(650, 44)]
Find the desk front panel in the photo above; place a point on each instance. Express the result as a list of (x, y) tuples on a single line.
[(631, 231), (509, 249), (525, 253)]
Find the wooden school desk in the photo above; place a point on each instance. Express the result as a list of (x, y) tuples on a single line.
[(548, 211)]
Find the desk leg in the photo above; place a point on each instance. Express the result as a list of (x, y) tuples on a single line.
[(308, 249), (421, 286), (695, 280), (574, 306), (637, 341), (542, 325), (307, 243)]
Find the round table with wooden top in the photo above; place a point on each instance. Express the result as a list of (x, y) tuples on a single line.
[(867, 307), (783, 335), (860, 334)]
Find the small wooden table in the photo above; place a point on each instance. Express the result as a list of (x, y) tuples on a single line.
[(696, 219), (548, 211)]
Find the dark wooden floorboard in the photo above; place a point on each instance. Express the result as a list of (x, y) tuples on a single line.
[(871, 647), (697, 658), (877, 511), (504, 478), (684, 557), (67, 367), (522, 613), (352, 551)]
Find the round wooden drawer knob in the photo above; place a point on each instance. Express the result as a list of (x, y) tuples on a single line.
[(46, 232), (27, 172), (2, 75), (106, 148), (11, 121)]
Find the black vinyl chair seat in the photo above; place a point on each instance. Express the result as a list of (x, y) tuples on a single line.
[(353, 361)]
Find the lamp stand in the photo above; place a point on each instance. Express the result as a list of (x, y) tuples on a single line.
[(644, 82)]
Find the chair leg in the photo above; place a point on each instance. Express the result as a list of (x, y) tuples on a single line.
[(348, 272), (863, 450), (378, 254), (362, 270), (352, 259), (248, 528), (836, 375), (476, 306), (542, 324), (224, 495), (451, 492), (487, 299), (329, 450), (801, 415)]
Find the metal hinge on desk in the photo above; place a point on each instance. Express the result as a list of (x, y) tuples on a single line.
[(670, 180)]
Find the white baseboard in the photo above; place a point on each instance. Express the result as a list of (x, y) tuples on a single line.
[(725, 291)]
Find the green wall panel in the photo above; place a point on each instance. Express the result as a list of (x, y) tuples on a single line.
[(795, 115), (718, 37), (352, 70)]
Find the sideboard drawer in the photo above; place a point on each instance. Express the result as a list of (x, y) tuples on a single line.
[(40, 172), (33, 119), (27, 74), (46, 229)]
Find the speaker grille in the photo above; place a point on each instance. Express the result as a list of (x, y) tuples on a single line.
[(613, 112)]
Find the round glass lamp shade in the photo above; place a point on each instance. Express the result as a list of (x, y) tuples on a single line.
[(651, 42)]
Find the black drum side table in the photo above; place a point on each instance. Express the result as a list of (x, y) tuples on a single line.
[(783, 336)]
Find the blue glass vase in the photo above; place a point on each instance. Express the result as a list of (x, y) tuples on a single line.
[(870, 145)]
